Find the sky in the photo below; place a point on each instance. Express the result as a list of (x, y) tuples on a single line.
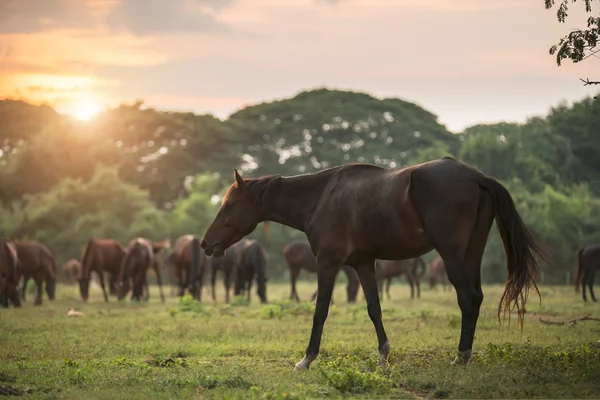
[(467, 61)]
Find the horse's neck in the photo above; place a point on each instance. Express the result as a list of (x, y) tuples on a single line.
[(295, 199)]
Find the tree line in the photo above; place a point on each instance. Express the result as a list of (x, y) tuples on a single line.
[(138, 171)]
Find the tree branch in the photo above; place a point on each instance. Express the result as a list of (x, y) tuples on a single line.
[(586, 82), (571, 322)]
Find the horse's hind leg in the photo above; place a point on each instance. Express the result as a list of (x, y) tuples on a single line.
[(293, 277), (591, 279), (366, 274), (387, 288), (461, 245), (584, 284), (39, 280), (327, 270)]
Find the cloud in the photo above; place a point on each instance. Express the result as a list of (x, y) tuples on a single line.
[(153, 17), (25, 16)]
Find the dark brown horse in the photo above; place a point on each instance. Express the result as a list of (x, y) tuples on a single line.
[(190, 264), (104, 256), (139, 259), (356, 213), (227, 265), (71, 271), (10, 274), (588, 263), (385, 270), (299, 256), (252, 263), (437, 271), (36, 262)]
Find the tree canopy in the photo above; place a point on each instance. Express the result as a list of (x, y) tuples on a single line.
[(138, 171)]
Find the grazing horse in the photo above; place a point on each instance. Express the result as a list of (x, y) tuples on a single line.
[(385, 270), (299, 255), (227, 264), (356, 213), (36, 262), (71, 271), (190, 264), (102, 256), (10, 274), (437, 271), (141, 254), (252, 263), (588, 262)]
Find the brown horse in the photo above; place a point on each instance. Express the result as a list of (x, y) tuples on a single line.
[(437, 271), (102, 256), (36, 262), (227, 264), (385, 270), (356, 213), (190, 264), (252, 263), (299, 255), (139, 259), (588, 262), (10, 274), (71, 271)]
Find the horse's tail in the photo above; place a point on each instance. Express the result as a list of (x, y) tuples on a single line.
[(520, 248), (578, 271), (195, 261), (420, 263), (86, 258)]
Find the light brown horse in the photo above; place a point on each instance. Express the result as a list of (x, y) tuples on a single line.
[(104, 256), (588, 263), (437, 271), (71, 271), (139, 259), (190, 264), (252, 262), (356, 213), (299, 256), (385, 270), (36, 262), (10, 274)]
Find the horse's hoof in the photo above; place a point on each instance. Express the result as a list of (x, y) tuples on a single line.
[(304, 364), (462, 358)]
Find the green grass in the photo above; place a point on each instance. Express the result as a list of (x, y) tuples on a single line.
[(186, 350)]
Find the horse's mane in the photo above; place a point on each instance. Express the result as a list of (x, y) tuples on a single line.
[(262, 189)]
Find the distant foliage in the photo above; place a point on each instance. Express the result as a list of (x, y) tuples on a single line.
[(136, 171)]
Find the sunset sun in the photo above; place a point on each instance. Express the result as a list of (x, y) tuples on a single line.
[(84, 110)]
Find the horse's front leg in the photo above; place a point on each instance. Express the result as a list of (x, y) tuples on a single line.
[(366, 274), (327, 270)]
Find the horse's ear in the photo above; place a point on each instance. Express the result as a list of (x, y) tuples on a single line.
[(238, 179)]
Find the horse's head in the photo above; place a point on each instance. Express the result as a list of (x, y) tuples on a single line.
[(84, 288), (237, 217), (122, 288)]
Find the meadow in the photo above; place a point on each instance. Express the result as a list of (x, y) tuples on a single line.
[(182, 349)]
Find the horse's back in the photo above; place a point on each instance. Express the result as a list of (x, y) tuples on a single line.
[(590, 256)]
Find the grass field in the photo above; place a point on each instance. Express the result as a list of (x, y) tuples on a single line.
[(185, 350)]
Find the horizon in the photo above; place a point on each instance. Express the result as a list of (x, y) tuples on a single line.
[(226, 116), (219, 56)]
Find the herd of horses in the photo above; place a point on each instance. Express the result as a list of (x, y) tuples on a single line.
[(364, 219), (126, 269)]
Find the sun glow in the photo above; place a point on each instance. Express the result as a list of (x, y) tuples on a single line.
[(84, 109)]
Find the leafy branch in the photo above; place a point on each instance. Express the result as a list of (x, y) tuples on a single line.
[(579, 44)]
